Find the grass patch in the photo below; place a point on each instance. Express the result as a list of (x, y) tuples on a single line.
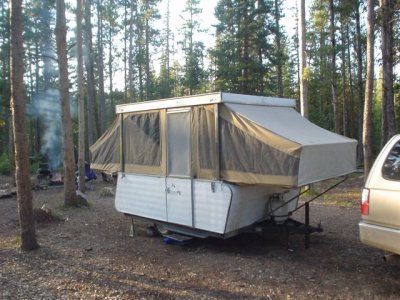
[(12, 242), (342, 199)]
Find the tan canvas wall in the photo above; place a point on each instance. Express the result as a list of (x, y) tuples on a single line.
[(203, 142), (105, 153), (251, 154)]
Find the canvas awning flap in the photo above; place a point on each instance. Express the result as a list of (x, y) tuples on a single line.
[(105, 153), (323, 154)]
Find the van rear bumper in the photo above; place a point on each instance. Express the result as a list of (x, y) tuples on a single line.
[(380, 237)]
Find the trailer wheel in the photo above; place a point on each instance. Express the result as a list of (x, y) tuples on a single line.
[(161, 228)]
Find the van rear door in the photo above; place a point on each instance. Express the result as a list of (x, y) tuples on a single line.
[(384, 187)]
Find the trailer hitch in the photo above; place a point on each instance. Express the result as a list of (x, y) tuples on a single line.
[(306, 206)]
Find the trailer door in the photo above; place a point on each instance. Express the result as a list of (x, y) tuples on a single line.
[(178, 181)]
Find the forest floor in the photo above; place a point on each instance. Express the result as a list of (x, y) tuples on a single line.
[(88, 254)]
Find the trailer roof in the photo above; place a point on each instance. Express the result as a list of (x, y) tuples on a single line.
[(203, 99)]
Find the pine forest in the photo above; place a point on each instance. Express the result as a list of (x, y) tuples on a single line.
[(339, 59)]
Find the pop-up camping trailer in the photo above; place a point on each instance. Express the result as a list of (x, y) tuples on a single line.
[(213, 164)]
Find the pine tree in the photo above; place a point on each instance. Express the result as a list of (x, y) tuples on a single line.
[(193, 50), (100, 68), (68, 160), (24, 187), (388, 127), (242, 53), (302, 60), (89, 66), (80, 97), (369, 87)]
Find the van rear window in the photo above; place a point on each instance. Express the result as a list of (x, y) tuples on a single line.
[(391, 166)]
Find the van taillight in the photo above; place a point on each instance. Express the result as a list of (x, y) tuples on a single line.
[(365, 202)]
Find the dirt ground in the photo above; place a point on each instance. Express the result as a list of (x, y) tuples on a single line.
[(90, 255)]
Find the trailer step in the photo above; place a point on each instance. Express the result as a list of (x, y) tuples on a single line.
[(176, 239)]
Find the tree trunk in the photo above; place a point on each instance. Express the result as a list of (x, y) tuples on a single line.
[(139, 42), (388, 128), (100, 65), (131, 54), (168, 50), (11, 148), (37, 143), (147, 50), (81, 98), (344, 80), (24, 187), (279, 61), (351, 84), (110, 62), (126, 50), (302, 60), (91, 126), (360, 87), (68, 151), (367, 120), (335, 102)]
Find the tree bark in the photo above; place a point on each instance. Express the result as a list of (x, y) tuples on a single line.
[(168, 50), (388, 128), (24, 187), (352, 118), (110, 62), (369, 87), (302, 60), (344, 80), (91, 126), (279, 58), (147, 50), (100, 65), (81, 98), (68, 152), (130, 91), (360, 86), (335, 102), (139, 42), (125, 51)]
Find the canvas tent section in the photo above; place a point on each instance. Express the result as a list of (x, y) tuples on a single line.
[(235, 138), (204, 155), (291, 151), (105, 153)]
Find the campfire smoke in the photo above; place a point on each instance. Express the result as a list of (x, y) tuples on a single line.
[(46, 106)]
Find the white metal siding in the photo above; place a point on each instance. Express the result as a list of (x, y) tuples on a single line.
[(141, 196), (179, 201), (211, 201)]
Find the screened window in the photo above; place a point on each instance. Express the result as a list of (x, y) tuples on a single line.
[(391, 166), (243, 152), (142, 139), (206, 137)]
